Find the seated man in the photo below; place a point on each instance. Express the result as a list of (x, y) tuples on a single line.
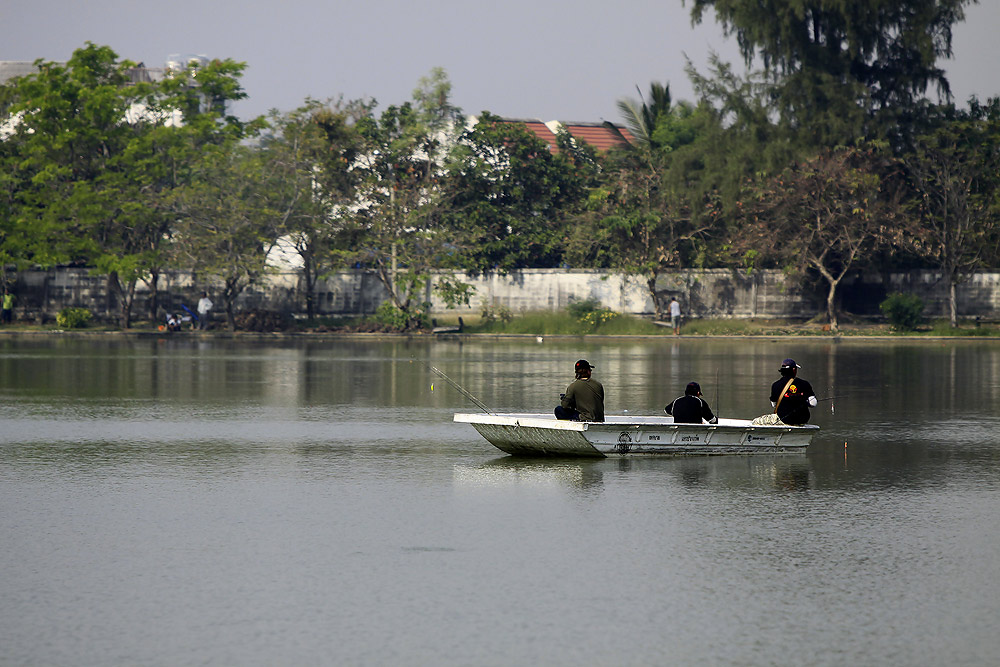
[(584, 397), (691, 408), (791, 396)]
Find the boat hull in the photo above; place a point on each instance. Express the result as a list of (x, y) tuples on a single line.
[(623, 436)]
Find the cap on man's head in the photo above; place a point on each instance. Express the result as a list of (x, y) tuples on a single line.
[(789, 363), (583, 364), (692, 389)]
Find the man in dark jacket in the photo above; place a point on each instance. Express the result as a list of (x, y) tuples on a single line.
[(792, 396), (691, 408), (584, 397)]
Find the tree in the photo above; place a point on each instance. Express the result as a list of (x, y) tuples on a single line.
[(820, 216), (508, 197), (954, 170), (828, 55), (399, 223), (229, 218), (314, 151), (92, 153), (642, 116)]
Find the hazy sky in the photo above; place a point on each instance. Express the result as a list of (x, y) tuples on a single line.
[(549, 59)]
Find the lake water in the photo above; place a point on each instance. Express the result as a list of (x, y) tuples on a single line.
[(185, 501)]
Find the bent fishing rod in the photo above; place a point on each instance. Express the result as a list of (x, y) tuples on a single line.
[(482, 406)]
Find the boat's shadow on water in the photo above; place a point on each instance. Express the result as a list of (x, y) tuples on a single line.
[(783, 472)]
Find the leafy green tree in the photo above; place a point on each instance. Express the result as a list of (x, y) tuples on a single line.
[(642, 116), (831, 54), (399, 225), (954, 171), (313, 151), (229, 217), (637, 222), (508, 197), (92, 153)]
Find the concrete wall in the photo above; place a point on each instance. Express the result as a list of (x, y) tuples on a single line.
[(702, 293)]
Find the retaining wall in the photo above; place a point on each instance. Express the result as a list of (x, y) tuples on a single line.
[(702, 293)]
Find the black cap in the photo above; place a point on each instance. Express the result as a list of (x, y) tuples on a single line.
[(583, 364), (789, 363), (692, 389)]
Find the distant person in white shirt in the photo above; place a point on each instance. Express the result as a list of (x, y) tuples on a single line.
[(675, 315), (204, 310)]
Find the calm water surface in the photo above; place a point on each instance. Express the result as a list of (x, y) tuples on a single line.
[(183, 502)]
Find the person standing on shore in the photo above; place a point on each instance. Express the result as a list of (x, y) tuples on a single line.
[(675, 316), (7, 312), (204, 311)]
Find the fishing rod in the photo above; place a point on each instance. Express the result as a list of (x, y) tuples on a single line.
[(482, 406)]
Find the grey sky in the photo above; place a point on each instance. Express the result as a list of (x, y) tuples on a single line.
[(549, 59)]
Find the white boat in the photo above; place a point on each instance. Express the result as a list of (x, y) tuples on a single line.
[(627, 435)]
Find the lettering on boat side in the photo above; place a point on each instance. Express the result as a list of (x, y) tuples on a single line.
[(653, 437), (757, 438), (624, 443), (690, 438)]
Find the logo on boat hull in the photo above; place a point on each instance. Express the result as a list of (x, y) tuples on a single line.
[(624, 443)]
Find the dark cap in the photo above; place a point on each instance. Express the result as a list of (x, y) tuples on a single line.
[(789, 363), (582, 365), (692, 389)]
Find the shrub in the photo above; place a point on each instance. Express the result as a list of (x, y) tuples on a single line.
[(73, 318), (496, 313), (580, 309), (392, 318), (904, 311)]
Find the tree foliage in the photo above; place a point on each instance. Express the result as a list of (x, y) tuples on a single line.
[(820, 216), (954, 172)]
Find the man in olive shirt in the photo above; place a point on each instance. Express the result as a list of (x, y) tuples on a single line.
[(584, 397)]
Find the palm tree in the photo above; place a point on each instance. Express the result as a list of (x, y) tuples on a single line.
[(641, 115)]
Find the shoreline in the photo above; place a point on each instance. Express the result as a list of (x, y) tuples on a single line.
[(455, 336)]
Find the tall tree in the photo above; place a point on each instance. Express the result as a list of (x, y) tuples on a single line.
[(832, 54), (954, 170), (821, 216), (92, 152), (642, 116), (229, 217), (399, 223), (508, 197), (314, 150)]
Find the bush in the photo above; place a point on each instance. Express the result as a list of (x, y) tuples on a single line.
[(591, 313), (392, 318), (904, 311), (496, 313), (73, 318), (580, 309)]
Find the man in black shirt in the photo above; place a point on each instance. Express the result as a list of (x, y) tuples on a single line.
[(691, 408), (792, 396)]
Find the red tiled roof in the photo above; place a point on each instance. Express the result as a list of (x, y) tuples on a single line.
[(597, 135), (539, 129)]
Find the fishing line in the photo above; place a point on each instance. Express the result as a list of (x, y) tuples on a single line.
[(482, 406)]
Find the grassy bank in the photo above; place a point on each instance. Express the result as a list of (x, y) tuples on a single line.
[(602, 323), (546, 323)]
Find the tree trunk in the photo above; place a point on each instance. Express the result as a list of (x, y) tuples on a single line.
[(154, 295), (657, 307), (952, 303), (309, 276)]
